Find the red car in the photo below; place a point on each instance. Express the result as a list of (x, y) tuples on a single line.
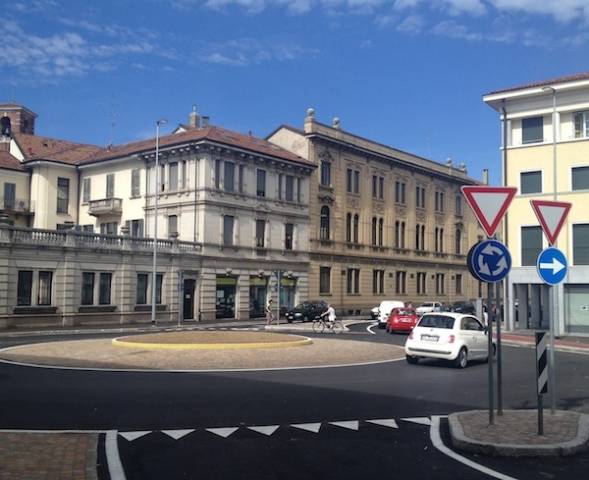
[(402, 320)]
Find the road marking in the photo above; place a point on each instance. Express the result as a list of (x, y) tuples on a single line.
[(418, 420), (436, 439), (309, 427), (385, 422), (177, 434), (130, 436), (350, 425), (222, 432), (266, 430), (113, 459), (369, 328)]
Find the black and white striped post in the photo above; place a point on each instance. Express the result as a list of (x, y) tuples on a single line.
[(541, 375)]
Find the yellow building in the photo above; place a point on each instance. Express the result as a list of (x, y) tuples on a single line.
[(545, 129)]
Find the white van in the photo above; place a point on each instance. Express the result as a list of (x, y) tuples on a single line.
[(384, 310)]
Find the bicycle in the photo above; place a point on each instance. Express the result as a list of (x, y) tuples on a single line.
[(320, 324)]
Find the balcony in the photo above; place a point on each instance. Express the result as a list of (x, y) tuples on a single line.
[(106, 206), (16, 206)]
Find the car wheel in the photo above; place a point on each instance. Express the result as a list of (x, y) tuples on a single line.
[(462, 359), (411, 360)]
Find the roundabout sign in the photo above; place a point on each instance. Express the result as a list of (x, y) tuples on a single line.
[(489, 261)]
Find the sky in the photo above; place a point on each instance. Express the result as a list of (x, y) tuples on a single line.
[(407, 73)]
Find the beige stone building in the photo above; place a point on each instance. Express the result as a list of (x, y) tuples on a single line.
[(385, 224)]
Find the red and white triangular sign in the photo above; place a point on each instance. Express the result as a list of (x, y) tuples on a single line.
[(551, 216), (489, 204)]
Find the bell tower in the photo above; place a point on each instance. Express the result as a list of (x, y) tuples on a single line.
[(19, 119)]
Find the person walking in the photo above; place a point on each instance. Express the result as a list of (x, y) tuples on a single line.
[(269, 313)]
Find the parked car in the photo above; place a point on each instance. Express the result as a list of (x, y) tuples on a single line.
[(402, 320), (428, 307), (468, 308), (384, 310), (450, 336), (374, 313), (306, 311)]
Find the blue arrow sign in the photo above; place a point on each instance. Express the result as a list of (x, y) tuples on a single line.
[(490, 261), (552, 266)]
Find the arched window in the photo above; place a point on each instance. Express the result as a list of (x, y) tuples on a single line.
[(380, 231), (349, 228), (458, 242), (356, 226), (324, 233), (374, 232)]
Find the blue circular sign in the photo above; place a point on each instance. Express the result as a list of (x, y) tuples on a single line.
[(552, 266), (489, 261)]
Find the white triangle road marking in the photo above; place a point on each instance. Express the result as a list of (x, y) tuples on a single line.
[(385, 422), (222, 432), (418, 420), (310, 427), (177, 434), (266, 429), (350, 425), (130, 436)]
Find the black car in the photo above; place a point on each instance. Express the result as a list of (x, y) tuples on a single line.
[(306, 311), (465, 307)]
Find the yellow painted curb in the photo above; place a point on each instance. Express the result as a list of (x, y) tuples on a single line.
[(211, 346)]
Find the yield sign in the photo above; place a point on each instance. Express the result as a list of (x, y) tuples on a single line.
[(489, 204), (551, 216)]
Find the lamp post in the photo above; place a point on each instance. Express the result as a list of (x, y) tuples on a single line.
[(161, 121)]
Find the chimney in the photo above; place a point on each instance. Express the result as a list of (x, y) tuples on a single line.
[(194, 118), (485, 176), (337, 124), (309, 120), (205, 121)]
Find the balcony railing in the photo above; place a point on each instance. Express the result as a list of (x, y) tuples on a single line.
[(21, 206), (106, 206)]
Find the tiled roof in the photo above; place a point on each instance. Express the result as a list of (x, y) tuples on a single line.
[(35, 147), (211, 133), (568, 78), (9, 162)]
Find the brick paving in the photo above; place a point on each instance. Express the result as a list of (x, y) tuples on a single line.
[(48, 456)]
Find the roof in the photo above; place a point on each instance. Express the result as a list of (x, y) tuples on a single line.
[(15, 106), (568, 78), (210, 133), (8, 162), (34, 147)]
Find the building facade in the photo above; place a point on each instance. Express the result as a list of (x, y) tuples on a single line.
[(545, 129), (385, 224), (232, 224)]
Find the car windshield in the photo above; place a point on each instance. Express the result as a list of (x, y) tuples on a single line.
[(437, 321), (405, 311), (429, 304)]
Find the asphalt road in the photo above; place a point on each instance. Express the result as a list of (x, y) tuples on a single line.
[(34, 398)]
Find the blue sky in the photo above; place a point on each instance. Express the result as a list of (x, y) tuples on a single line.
[(408, 73)]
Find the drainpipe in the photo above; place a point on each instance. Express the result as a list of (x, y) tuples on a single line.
[(506, 293), (78, 199)]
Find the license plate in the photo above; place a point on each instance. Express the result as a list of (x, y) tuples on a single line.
[(406, 320), (430, 338)]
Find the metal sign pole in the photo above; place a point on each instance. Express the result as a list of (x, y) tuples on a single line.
[(278, 273), (490, 288), (499, 317), (551, 362)]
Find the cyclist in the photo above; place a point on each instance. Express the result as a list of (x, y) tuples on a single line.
[(329, 313)]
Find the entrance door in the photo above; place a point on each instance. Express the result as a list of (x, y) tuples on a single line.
[(188, 309)]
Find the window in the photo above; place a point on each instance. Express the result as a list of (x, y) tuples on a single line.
[(324, 223), (532, 130), (374, 186), (356, 227), (86, 190), (141, 297), (420, 197), (63, 194), (25, 287), (87, 288), (173, 180), (229, 178), (228, 230), (399, 234), (324, 280), (581, 244), (9, 195), (299, 195), (88, 228), (288, 236), (136, 228), (531, 243), (381, 188), (530, 182), (377, 187), (353, 277), (356, 181), (421, 278), (420, 237), (172, 225), (45, 281), (458, 284), (580, 177), (183, 183), (458, 206), (280, 181), (374, 230), (110, 185), (401, 282), (581, 124), (159, 280), (400, 192), (240, 179), (289, 190), (261, 183), (352, 181), (162, 178), (457, 242), (439, 201), (380, 232), (325, 173), (440, 280), (217, 174), (260, 233), (439, 240), (135, 182), (378, 282), (349, 228), (109, 228)]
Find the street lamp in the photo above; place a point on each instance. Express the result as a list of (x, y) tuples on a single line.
[(161, 121)]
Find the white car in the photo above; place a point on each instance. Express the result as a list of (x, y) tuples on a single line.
[(384, 310), (428, 307), (374, 313), (449, 336)]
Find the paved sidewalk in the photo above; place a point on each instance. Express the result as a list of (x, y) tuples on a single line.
[(526, 338)]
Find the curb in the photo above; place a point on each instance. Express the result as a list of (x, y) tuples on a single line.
[(467, 444), (117, 342)]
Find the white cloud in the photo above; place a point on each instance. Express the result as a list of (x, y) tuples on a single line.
[(413, 24), (561, 10), (452, 29)]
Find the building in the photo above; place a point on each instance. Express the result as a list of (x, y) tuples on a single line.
[(545, 129), (79, 220), (385, 224)]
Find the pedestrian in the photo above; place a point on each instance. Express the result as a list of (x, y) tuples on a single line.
[(269, 313)]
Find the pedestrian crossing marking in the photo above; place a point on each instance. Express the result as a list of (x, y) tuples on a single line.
[(385, 422), (178, 434), (223, 432), (350, 425), (310, 427), (130, 436), (418, 420), (266, 430)]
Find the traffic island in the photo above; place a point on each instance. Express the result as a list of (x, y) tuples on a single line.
[(515, 433)]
